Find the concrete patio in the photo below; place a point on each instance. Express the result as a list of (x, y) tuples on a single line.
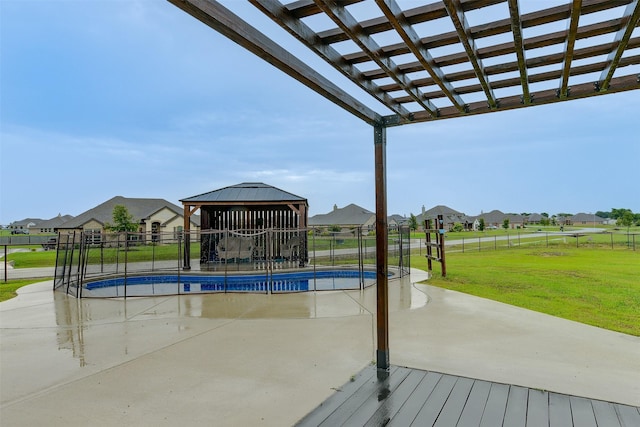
[(246, 359)]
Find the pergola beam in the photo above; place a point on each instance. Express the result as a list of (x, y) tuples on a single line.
[(216, 16)]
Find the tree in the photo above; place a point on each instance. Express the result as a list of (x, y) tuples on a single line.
[(505, 223), (413, 222), (481, 224), (626, 219), (619, 213), (122, 220), (457, 227)]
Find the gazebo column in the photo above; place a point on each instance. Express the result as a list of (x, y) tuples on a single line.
[(382, 247), (186, 232)]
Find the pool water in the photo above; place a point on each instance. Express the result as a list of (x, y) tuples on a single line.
[(171, 284)]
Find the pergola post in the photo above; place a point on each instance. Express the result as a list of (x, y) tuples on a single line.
[(382, 247)]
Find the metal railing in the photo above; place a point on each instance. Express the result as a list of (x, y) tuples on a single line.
[(187, 258)]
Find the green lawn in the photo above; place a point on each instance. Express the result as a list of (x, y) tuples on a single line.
[(8, 290), (596, 286)]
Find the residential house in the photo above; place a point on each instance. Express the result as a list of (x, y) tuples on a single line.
[(587, 219), (155, 217), (50, 226), (350, 217), (450, 216), (23, 226)]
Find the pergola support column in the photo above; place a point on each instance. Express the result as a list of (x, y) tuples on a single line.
[(382, 247)]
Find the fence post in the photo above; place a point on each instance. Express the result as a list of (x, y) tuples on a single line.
[(5, 263), (126, 257)]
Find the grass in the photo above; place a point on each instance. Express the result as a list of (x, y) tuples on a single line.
[(594, 286), (8, 290)]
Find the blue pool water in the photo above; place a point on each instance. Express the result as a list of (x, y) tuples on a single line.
[(190, 283)]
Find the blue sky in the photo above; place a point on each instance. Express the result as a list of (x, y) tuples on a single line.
[(138, 99)]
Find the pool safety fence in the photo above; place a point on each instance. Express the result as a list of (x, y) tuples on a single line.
[(212, 261)]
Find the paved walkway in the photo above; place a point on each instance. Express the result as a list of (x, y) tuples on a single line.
[(242, 359)]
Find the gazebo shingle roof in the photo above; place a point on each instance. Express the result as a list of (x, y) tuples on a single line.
[(246, 192)]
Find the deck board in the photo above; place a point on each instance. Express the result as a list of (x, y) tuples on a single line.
[(559, 410), (496, 406), (516, 413), (473, 410), (414, 403), (391, 406), (538, 409), (405, 396), (433, 405)]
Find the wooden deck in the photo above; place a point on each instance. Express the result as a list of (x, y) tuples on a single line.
[(405, 396)]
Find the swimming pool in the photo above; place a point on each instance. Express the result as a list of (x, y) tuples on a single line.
[(171, 284)]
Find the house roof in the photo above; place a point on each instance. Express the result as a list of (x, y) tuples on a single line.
[(349, 215), (448, 214), (27, 222), (245, 192), (140, 209), (54, 222), (493, 217), (586, 217)]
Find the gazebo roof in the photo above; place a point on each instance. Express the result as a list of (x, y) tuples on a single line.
[(246, 192)]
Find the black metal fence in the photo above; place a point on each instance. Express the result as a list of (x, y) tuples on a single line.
[(270, 261), (578, 239)]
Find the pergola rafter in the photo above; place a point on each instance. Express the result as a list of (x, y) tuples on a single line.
[(632, 14), (572, 31), (518, 44)]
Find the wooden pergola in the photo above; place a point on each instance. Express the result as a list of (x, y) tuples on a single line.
[(505, 60)]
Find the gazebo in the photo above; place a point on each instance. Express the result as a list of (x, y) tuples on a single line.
[(251, 221)]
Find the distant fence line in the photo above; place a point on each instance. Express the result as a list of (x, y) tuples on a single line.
[(544, 239), (25, 239)]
